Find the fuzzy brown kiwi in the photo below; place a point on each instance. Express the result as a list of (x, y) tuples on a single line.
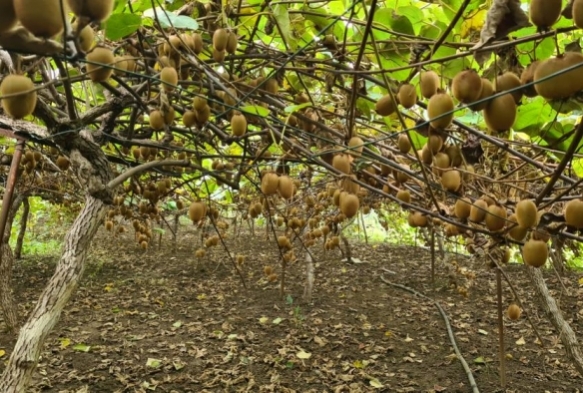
[(428, 83), (466, 86), (220, 39), (219, 55), (574, 213), (356, 145), (507, 81), (513, 312), (341, 162), (385, 105), (563, 85), (286, 187), (487, 91), (97, 11), (198, 43), (169, 78), (349, 184), (37, 156), (43, 21), (478, 211), (86, 37), (462, 208), (157, 120), (526, 213), (109, 225), (545, 13), (269, 183), (98, 56), (198, 102), (22, 100), (455, 155), (440, 162), (535, 253), (496, 218), (404, 195), (500, 113), (435, 143), (426, 155), (232, 43), (7, 15), (407, 95), (196, 211), (451, 180), (63, 163), (578, 13), (403, 143), (271, 86), (189, 118), (527, 76), (515, 232), (439, 104), (238, 124), (203, 115), (349, 205)]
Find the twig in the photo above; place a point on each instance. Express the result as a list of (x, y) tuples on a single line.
[(449, 331)]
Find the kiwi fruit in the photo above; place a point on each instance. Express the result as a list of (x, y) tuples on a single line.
[(341, 162), (197, 43), (232, 43), (385, 105), (462, 208), (526, 213), (428, 83), (466, 86), (487, 91), (440, 162), (169, 78), (545, 13), (404, 195), (169, 115), (189, 118), (269, 183), (7, 15), (22, 100), (203, 115), (271, 86), (93, 10), (563, 85), (451, 180), (63, 163), (95, 59), (199, 102), (435, 143), (426, 155), (44, 20), (220, 39), (578, 13), (356, 145), (417, 220), (496, 218), (157, 120), (526, 77), (238, 124), (349, 184), (500, 113), (286, 187), (349, 204), (284, 242), (508, 81), (574, 213), (407, 95), (109, 225), (403, 143), (439, 104), (535, 253), (513, 312), (478, 211), (86, 37), (197, 211), (455, 155)]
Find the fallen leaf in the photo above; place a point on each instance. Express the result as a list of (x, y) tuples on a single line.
[(65, 342), (263, 320), (153, 363), (277, 320), (482, 331), (303, 355), (479, 360), (408, 339), (2, 352), (177, 324), (81, 348), (375, 383), (520, 341)]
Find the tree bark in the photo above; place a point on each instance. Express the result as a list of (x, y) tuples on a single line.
[(6, 265), (23, 223), (563, 328)]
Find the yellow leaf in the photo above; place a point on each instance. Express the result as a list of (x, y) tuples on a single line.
[(303, 355), (581, 282), (65, 342), (2, 352), (202, 296), (473, 24), (357, 364), (520, 341), (375, 383), (388, 333), (263, 320), (108, 287)]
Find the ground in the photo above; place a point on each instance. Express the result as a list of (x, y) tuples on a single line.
[(162, 321)]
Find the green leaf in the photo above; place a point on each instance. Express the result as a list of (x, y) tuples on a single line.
[(532, 116), (295, 108), (168, 19), (81, 348), (281, 16), (255, 110), (153, 363), (479, 360), (122, 25), (414, 15)]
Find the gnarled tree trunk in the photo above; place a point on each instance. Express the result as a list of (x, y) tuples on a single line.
[(554, 314), (6, 266)]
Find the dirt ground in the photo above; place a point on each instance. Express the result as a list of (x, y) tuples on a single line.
[(162, 321)]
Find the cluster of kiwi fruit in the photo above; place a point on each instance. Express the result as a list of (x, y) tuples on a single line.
[(199, 114), (273, 183), (224, 42), (269, 273), (30, 160), (143, 233)]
